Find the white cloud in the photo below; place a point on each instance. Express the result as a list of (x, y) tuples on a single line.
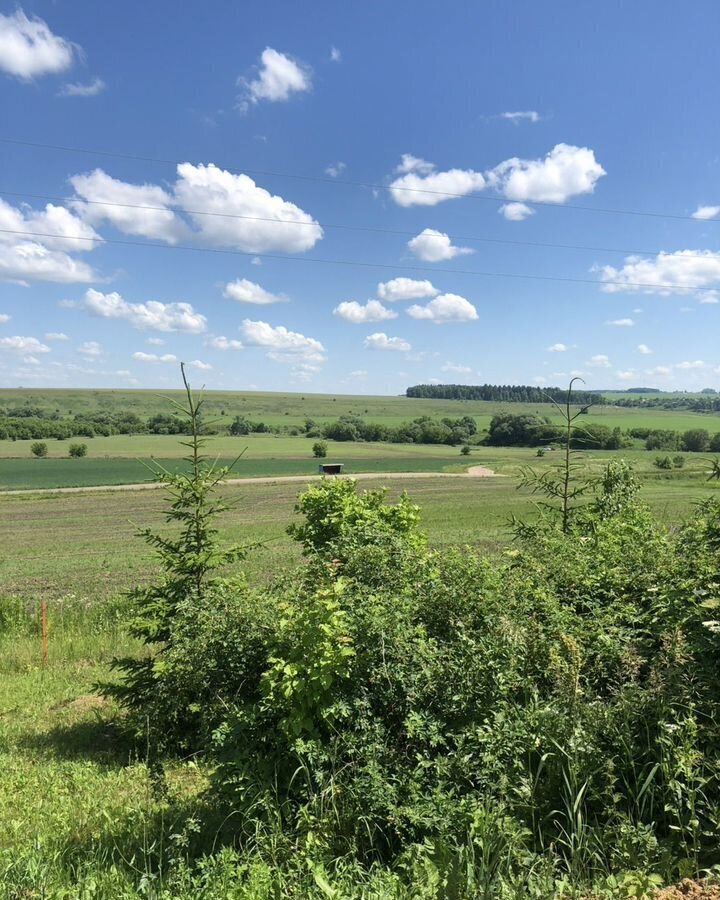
[(28, 48), (621, 323), (19, 344), (659, 370), (405, 289), (626, 375), (223, 208), (153, 357), (278, 78), (516, 212), (244, 291), (557, 348), (564, 172), (90, 348), (154, 341), (56, 336), (357, 314), (151, 314), (644, 349), (335, 169), (159, 222), (271, 223), (305, 353), (456, 369), (516, 117), (435, 246), (335, 55), (600, 361), (77, 89), (223, 343), (419, 184), (691, 364), (445, 308), (199, 364), (682, 272), (4, 317), (380, 341), (709, 296), (37, 257), (706, 212)]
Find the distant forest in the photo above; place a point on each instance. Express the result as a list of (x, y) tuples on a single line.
[(502, 393)]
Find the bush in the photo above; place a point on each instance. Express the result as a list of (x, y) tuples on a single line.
[(678, 461), (465, 450), (663, 462), (697, 440), (39, 449), (320, 449), (77, 450)]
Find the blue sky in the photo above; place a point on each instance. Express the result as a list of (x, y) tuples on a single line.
[(433, 143)]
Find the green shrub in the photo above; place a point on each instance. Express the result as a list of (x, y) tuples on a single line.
[(663, 462), (39, 449), (320, 449), (77, 450), (465, 450)]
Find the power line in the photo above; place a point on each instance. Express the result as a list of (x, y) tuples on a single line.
[(350, 182), (344, 227), (349, 262)]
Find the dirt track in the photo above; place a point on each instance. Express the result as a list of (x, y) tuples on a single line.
[(472, 472)]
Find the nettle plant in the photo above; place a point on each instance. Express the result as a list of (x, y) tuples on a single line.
[(190, 560)]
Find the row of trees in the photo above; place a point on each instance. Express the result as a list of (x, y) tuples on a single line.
[(502, 393)]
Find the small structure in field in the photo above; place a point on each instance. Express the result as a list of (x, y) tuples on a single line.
[(330, 468)]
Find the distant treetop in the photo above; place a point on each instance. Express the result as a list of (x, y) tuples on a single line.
[(502, 393)]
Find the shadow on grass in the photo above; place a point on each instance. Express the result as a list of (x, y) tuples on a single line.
[(99, 740)]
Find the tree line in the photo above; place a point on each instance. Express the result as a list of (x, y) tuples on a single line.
[(502, 393)]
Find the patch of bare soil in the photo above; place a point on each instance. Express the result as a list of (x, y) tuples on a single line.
[(689, 890)]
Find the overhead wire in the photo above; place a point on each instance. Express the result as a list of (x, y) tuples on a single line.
[(266, 173), (340, 226)]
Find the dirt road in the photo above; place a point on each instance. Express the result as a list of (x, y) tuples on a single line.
[(472, 472)]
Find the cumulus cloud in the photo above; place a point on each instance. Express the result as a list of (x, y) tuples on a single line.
[(357, 314), (223, 343), (305, 354), (154, 358), (244, 291), (42, 256), (335, 169), (380, 341), (335, 55), (90, 348), (709, 296), (278, 78), (206, 203), (405, 289), (420, 184), (621, 323), (131, 215), (516, 212), (659, 370), (626, 375), (445, 308), (29, 48), (644, 349), (77, 89), (557, 348), (56, 336), (272, 223), (600, 361), (681, 272), (5, 317), (706, 212), (199, 364), (22, 345), (528, 115), (435, 246), (565, 172), (155, 341), (152, 314)]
